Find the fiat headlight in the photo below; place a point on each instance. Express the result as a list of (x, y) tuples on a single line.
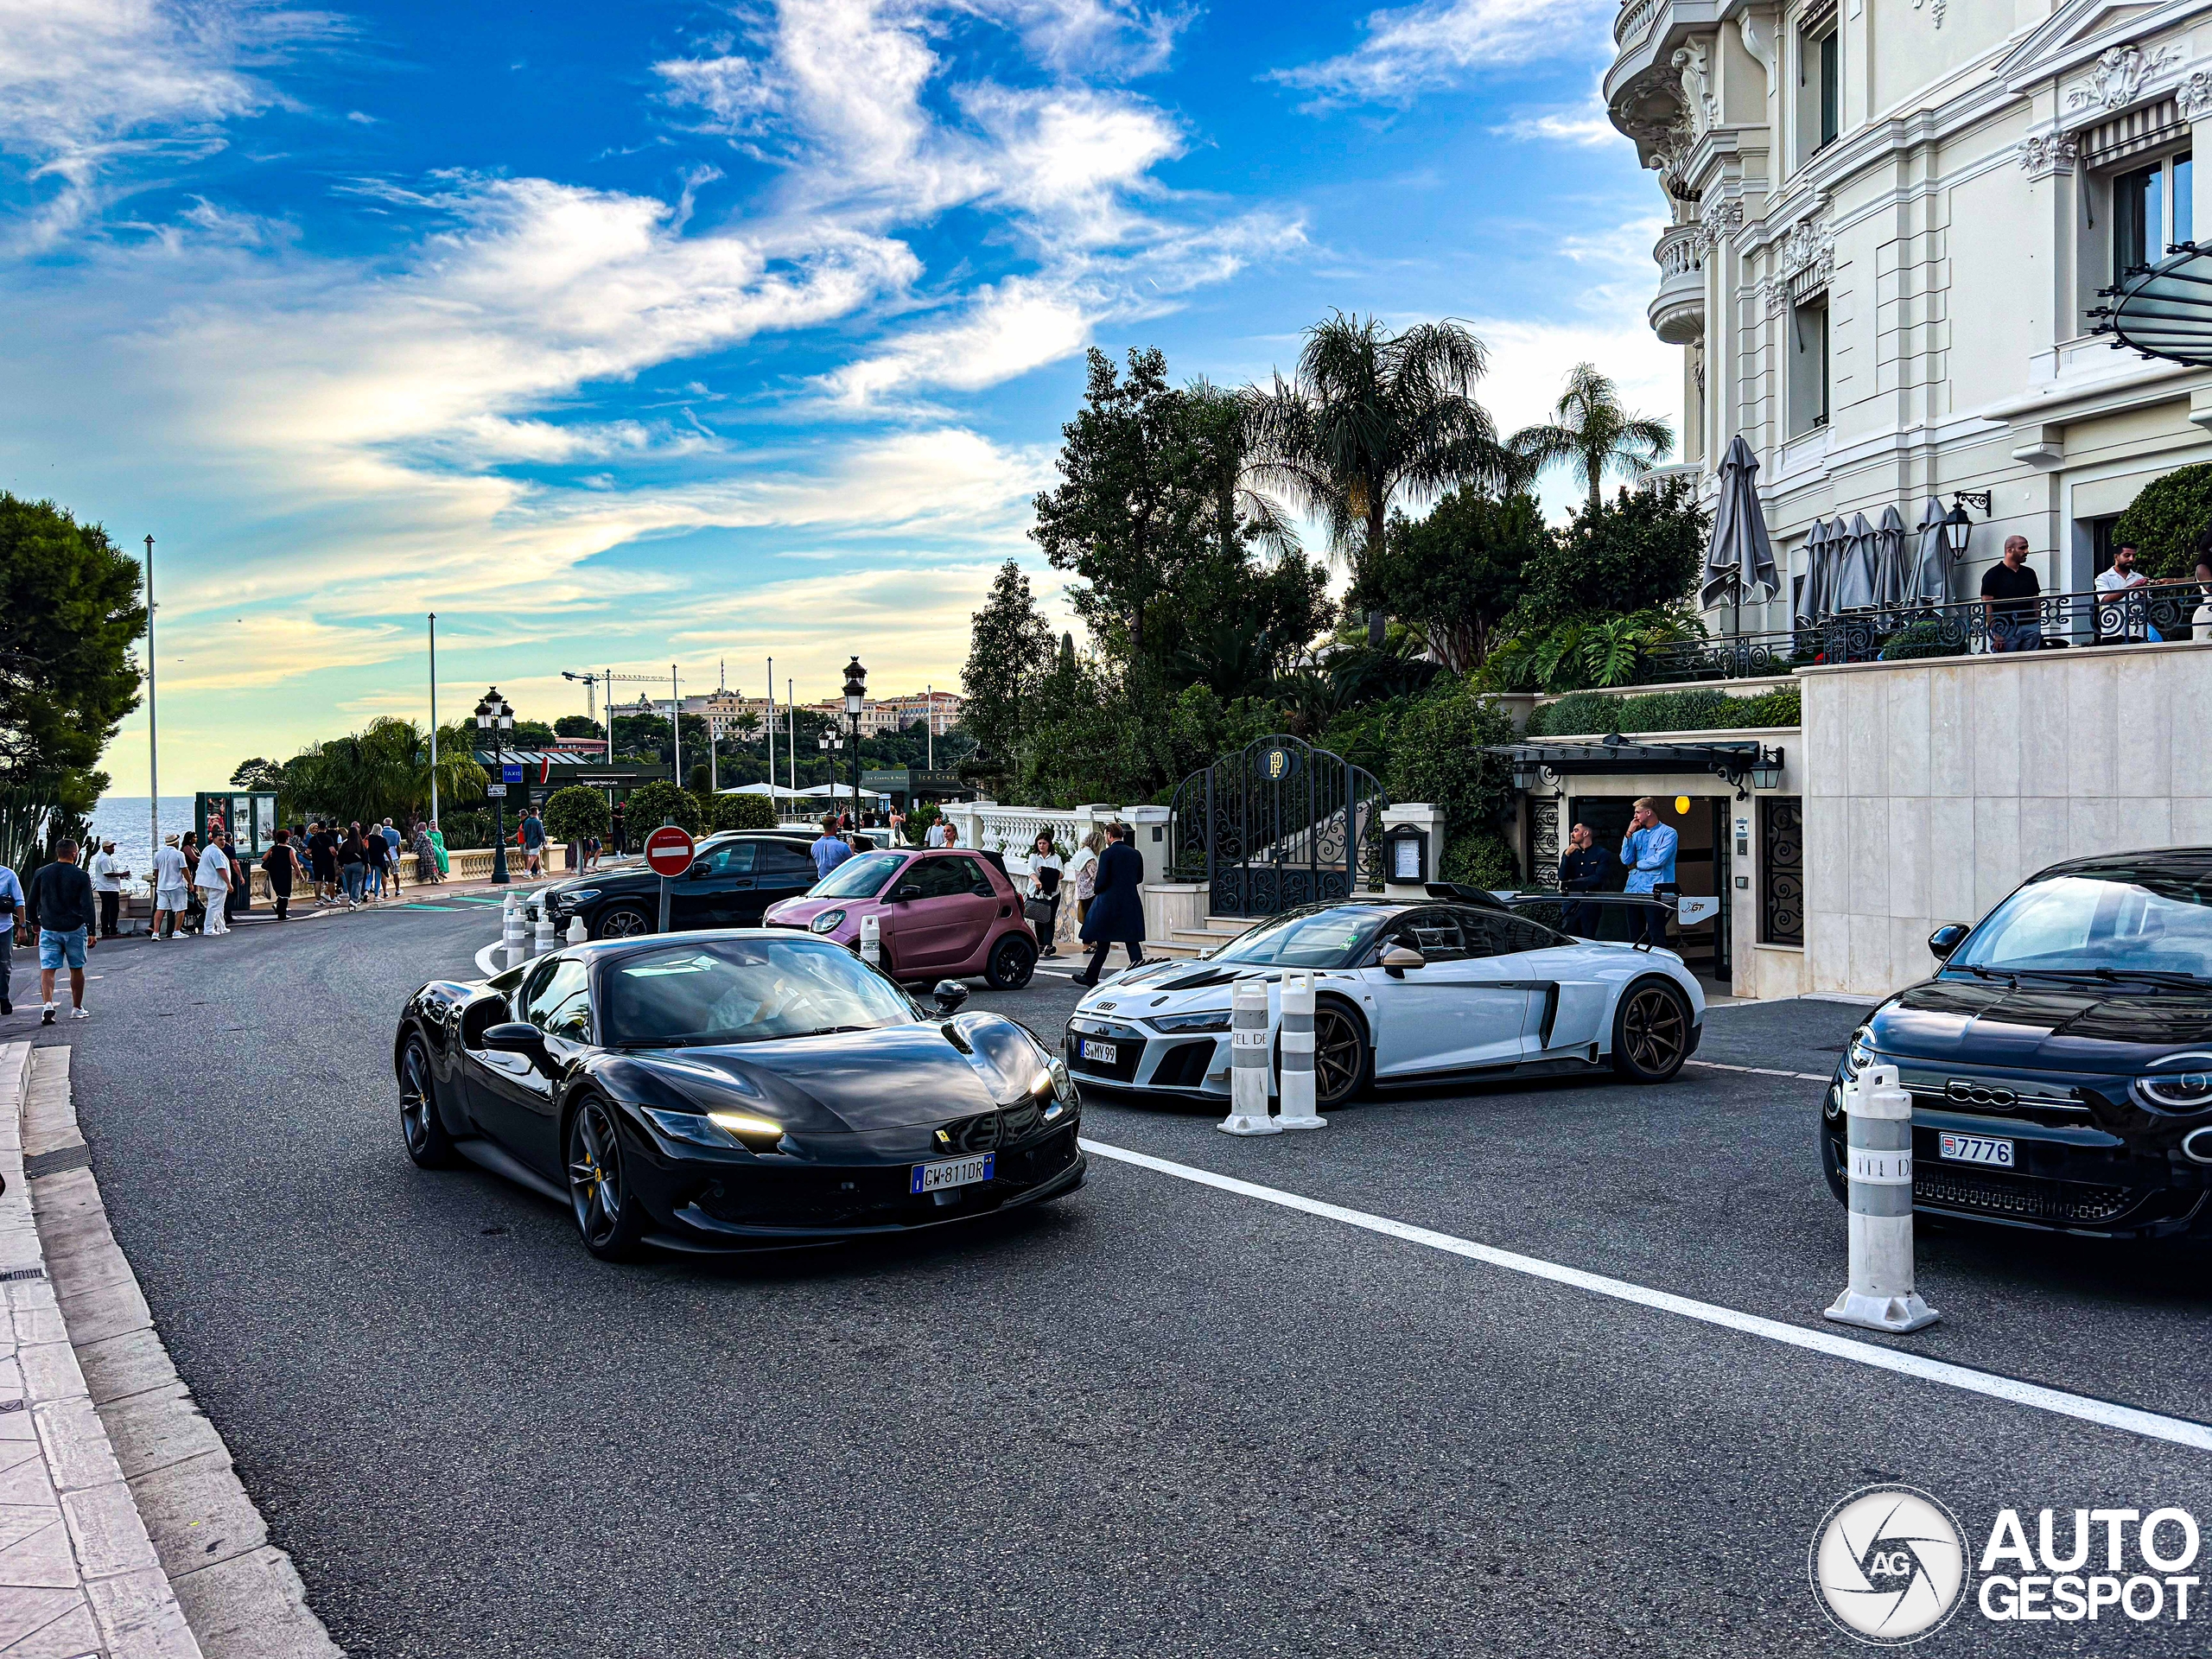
[(1858, 1053), (2186, 1087), (1214, 1019), (828, 922)]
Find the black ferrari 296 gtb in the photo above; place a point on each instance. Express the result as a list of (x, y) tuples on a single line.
[(735, 1090)]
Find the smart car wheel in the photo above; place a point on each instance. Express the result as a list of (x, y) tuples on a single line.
[(1013, 960), (598, 1194), (622, 922), (428, 1143), (1651, 1031), (1342, 1063)]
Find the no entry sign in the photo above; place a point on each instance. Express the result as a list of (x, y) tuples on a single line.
[(668, 851)]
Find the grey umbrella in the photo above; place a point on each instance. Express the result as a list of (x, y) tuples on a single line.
[(1854, 575), (1931, 564), (1813, 603), (1740, 563), (1892, 563)]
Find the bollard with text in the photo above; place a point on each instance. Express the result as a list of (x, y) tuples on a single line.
[(1296, 1084), (872, 941), (668, 853), (1880, 1296), (1248, 1049), (545, 936), (512, 940)]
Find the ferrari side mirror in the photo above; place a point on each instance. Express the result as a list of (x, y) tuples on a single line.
[(515, 1037), (948, 994)]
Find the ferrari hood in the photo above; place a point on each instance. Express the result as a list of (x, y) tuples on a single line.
[(2052, 1023), (895, 1077)]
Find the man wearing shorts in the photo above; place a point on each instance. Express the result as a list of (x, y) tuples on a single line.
[(322, 861), (533, 842), (61, 900)]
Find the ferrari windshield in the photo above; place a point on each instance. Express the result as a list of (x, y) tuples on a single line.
[(1333, 936), (2121, 923), (744, 991), (858, 878)]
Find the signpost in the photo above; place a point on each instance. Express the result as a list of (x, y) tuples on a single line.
[(668, 853)]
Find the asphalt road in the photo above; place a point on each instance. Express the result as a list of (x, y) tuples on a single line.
[(1155, 1418)]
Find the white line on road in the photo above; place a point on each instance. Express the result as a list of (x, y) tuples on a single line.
[(1758, 1071), (2149, 1424), (485, 965)]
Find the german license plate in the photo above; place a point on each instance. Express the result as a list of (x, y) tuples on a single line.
[(953, 1171), (1104, 1053), (1977, 1149)]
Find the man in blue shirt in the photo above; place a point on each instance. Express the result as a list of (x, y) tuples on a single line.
[(1648, 851), (829, 849), (11, 917)]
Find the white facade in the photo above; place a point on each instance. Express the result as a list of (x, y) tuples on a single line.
[(1891, 219)]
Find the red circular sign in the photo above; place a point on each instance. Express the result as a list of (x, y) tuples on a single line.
[(668, 850)]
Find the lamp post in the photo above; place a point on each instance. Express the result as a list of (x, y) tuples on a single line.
[(827, 740), (855, 700), (495, 717), (1957, 529)]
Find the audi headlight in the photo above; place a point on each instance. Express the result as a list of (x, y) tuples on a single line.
[(2186, 1087), (1215, 1020), (1858, 1053), (828, 922)]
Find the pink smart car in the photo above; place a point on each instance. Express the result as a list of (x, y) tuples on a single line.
[(946, 912)]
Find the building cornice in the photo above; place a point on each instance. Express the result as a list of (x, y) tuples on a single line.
[(2084, 397)]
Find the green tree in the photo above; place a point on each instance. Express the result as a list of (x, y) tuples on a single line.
[(1436, 755), (578, 726), (1372, 418), (1638, 552), (2168, 522), (650, 805), (1593, 433), (576, 812), (258, 773), (744, 812), (529, 734), (1221, 431), (1009, 651), (1457, 575)]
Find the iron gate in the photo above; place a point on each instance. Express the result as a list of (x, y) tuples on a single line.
[(1279, 824)]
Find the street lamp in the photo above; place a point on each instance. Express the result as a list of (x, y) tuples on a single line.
[(1957, 527), (494, 716), (856, 699)]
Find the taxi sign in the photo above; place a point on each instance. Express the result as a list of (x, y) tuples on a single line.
[(668, 850)]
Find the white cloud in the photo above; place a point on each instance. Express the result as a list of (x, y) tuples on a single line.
[(1415, 48), (1585, 124), (1009, 329)]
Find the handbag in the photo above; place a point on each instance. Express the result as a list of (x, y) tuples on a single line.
[(1038, 912)]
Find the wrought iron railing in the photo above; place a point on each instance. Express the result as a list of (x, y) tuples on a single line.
[(1965, 627)]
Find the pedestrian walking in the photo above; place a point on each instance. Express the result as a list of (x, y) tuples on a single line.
[(353, 867), (377, 858), (1116, 911), (426, 856), (172, 888), (1084, 869), (12, 917), (194, 917), (1041, 902), (61, 909), (280, 864), (1648, 851), (533, 842), (829, 849), (108, 874), (213, 878), (240, 895), (392, 841), (934, 836), (322, 861)]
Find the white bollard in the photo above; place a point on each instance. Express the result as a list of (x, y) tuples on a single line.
[(512, 941), (1296, 1084), (578, 933), (548, 937), (872, 941), (1248, 1054), (1878, 1126)]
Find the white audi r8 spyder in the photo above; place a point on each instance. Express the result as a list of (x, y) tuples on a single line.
[(1407, 994)]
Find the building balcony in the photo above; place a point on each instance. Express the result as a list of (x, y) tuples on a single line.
[(1678, 311)]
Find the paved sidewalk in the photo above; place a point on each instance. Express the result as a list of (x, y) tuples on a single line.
[(79, 1576)]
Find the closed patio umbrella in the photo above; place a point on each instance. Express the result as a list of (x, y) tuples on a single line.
[(1854, 574), (1893, 561), (1813, 603), (1741, 560), (1931, 564)]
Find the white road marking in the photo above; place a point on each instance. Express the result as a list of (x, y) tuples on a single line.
[(1759, 1070), (484, 963), (2130, 1418)]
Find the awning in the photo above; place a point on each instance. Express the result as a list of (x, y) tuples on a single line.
[(2163, 310), (1620, 756)]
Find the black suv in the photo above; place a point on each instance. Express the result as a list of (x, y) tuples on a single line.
[(735, 876)]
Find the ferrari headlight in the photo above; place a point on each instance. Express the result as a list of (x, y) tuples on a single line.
[(715, 1128), (1858, 1053), (1215, 1020), (828, 922), (2186, 1089)]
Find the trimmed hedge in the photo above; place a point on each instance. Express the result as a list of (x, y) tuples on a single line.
[(1702, 709), (744, 812), (1920, 639), (2166, 520), (651, 804), (576, 812)]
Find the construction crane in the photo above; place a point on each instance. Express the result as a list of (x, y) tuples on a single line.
[(591, 682), (674, 715)]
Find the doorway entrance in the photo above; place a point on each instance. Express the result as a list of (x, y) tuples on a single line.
[(1701, 867)]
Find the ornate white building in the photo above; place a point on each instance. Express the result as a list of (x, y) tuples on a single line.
[(1891, 219)]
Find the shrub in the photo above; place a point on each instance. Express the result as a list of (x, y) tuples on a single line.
[(1436, 755), (651, 805), (1929, 639), (1481, 859), (2167, 519), (744, 812), (919, 822), (1701, 708), (576, 812)]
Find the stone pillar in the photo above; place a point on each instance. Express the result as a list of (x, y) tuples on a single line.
[(1422, 816)]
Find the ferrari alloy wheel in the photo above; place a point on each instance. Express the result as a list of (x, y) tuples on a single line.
[(622, 922), (1342, 1063), (597, 1193), (428, 1143), (1012, 961), (1651, 1033)]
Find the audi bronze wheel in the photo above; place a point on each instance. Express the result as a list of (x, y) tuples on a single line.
[(1651, 1033), (1342, 1063), (428, 1143), (597, 1193), (623, 922)]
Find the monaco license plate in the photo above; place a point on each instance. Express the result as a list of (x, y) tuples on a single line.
[(1100, 1053), (1977, 1149), (953, 1171)]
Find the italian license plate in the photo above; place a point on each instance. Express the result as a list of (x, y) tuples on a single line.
[(953, 1171), (1104, 1053), (1977, 1149)]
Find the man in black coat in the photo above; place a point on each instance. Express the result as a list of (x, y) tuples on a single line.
[(1116, 915)]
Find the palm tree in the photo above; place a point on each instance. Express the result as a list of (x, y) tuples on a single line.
[(1593, 433), (1371, 416), (1222, 428)]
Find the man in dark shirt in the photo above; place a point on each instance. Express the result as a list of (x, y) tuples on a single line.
[(2014, 625), (322, 861), (61, 909), (1583, 867)]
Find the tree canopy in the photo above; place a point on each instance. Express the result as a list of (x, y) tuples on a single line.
[(1457, 574)]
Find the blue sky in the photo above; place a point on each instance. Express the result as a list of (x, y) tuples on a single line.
[(624, 334)]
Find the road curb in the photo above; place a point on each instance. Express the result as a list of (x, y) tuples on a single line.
[(238, 1593)]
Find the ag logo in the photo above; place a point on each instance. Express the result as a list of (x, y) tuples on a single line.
[(1889, 1565)]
